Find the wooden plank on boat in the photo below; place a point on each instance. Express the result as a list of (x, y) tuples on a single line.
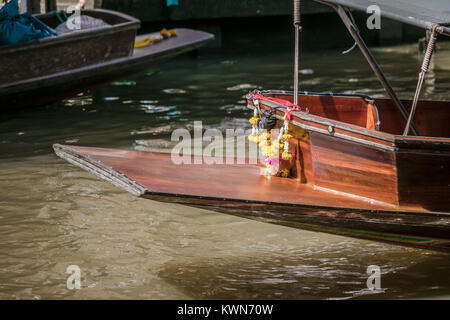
[(240, 189), (157, 174)]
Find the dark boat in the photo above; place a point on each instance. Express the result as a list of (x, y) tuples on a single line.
[(349, 165), (54, 68)]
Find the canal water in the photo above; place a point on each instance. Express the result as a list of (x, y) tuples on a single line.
[(53, 215)]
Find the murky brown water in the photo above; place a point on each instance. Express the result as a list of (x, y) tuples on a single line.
[(53, 214)]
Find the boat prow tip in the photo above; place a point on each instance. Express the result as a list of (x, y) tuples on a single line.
[(84, 161)]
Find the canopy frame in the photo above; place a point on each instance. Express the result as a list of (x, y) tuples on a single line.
[(423, 71), (298, 29), (423, 14), (354, 32)]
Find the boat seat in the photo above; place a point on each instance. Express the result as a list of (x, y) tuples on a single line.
[(373, 121), (352, 109)]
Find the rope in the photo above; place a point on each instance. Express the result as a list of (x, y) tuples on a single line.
[(58, 15), (288, 113), (285, 103), (429, 52), (298, 28), (349, 13), (424, 70), (163, 34)]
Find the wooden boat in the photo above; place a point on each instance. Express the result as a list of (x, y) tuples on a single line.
[(241, 190), (353, 144), (349, 167), (55, 68)]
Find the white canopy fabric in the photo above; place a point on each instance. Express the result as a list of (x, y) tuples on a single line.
[(419, 13)]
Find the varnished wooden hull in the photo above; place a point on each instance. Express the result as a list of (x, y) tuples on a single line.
[(240, 189), (338, 153)]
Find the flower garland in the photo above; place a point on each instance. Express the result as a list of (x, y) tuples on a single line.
[(284, 137), (269, 158), (254, 136), (271, 150)]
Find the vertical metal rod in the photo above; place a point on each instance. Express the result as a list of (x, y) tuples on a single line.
[(33, 6), (423, 71), (297, 40), (373, 63), (296, 65), (50, 5)]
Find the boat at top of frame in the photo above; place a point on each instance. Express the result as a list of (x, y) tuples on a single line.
[(53, 68)]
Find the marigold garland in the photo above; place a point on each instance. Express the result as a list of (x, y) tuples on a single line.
[(271, 149), (286, 137), (287, 156), (253, 120), (285, 173), (254, 136)]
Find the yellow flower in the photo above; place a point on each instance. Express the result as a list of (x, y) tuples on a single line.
[(287, 156), (264, 136), (164, 33), (253, 138), (253, 120), (286, 137)]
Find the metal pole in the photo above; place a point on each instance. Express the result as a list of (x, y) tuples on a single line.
[(372, 62), (375, 66), (424, 70), (297, 40), (50, 5), (33, 6)]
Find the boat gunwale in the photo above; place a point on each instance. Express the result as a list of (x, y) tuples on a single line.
[(131, 24), (437, 214), (398, 141)]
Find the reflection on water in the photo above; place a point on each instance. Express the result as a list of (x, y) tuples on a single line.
[(53, 215)]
